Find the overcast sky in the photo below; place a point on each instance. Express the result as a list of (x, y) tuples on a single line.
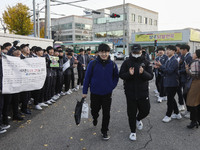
[(173, 14)]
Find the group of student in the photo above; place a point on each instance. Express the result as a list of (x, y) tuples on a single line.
[(177, 72), (57, 78)]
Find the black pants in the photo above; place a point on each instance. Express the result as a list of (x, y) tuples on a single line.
[(137, 109), (58, 82), (24, 100), (81, 76), (1, 107), (194, 113), (171, 102), (180, 95), (162, 89), (72, 79), (157, 84), (67, 80), (61, 82), (15, 104), (104, 102), (7, 101), (53, 86), (47, 89), (37, 96)]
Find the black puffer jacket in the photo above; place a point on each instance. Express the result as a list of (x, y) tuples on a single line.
[(136, 85)]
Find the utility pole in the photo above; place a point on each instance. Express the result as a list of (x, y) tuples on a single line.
[(38, 21), (47, 20), (124, 37), (34, 18)]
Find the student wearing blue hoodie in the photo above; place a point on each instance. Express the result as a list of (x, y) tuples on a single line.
[(102, 77)]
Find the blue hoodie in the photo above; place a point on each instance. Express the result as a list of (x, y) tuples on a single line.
[(100, 80)]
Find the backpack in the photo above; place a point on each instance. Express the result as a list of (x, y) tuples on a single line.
[(94, 64)]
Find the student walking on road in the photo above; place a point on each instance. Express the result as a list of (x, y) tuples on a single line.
[(136, 72), (102, 77)]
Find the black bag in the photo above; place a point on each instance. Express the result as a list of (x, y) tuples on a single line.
[(78, 110)]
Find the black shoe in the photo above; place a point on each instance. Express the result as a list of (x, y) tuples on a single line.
[(105, 136), (26, 112), (95, 122), (18, 118), (192, 125)]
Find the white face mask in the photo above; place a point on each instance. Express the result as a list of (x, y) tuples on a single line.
[(136, 55)]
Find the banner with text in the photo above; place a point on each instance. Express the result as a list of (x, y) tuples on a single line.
[(22, 74), (159, 36)]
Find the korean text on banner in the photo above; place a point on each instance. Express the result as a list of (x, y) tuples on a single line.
[(22, 74)]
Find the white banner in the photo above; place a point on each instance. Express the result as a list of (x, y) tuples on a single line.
[(22, 74)]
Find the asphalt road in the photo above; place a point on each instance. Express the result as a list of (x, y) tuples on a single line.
[(54, 128)]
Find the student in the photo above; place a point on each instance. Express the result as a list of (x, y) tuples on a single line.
[(102, 78), (171, 82), (136, 72)]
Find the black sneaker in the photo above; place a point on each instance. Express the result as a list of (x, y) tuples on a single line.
[(18, 118), (2, 130), (95, 122), (105, 136)]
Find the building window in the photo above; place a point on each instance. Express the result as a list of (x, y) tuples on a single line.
[(82, 26), (145, 20), (150, 21), (155, 23), (82, 38), (58, 27), (139, 19), (133, 17), (108, 19), (109, 34), (65, 38)]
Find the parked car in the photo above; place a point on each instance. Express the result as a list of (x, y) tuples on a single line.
[(119, 55)]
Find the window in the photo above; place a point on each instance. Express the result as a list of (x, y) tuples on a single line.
[(108, 19), (139, 19), (109, 34), (66, 38), (150, 21), (66, 26), (155, 23), (82, 26), (145, 20), (133, 17), (82, 38)]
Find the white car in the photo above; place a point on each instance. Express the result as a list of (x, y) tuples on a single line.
[(119, 55)]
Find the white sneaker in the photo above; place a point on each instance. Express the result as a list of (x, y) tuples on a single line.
[(58, 95), (81, 86), (2, 130), (70, 91), (164, 98), (187, 115), (159, 100), (74, 89), (52, 101), (176, 116), (132, 136), (43, 104), (181, 108), (38, 107), (77, 87), (67, 93), (156, 91), (5, 127), (62, 93), (166, 119), (157, 95), (55, 97), (139, 125), (48, 102)]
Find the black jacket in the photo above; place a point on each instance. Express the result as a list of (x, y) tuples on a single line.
[(136, 85)]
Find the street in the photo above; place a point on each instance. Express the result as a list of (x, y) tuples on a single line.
[(54, 128)]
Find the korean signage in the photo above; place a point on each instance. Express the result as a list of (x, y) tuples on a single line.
[(116, 42), (176, 36), (22, 74), (194, 35)]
